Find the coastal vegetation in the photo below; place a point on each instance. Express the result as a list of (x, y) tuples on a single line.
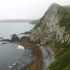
[(62, 56), (39, 23), (54, 31), (62, 50)]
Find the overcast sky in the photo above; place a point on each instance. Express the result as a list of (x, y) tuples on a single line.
[(26, 9)]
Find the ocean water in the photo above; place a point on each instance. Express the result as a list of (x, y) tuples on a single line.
[(7, 29), (10, 53)]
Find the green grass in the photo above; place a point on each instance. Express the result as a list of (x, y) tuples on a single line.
[(67, 67), (61, 62), (38, 24), (62, 57), (62, 50), (65, 18)]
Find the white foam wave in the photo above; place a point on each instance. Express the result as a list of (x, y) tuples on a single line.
[(20, 47), (14, 63), (10, 67)]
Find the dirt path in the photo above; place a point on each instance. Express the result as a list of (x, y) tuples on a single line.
[(47, 56)]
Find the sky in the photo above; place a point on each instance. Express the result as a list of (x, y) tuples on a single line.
[(26, 9)]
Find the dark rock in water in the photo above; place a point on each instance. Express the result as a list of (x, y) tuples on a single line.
[(3, 43), (14, 38), (14, 35), (1, 37), (29, 32), (6, 40), (25, 38)]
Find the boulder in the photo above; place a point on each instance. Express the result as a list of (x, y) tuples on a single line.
[(14, 37), (25, 38)]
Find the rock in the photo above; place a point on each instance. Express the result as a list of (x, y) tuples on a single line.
[(6, 40), (29, 32), (3, 43), (14, 35), (52, 26), (24, 38), (14, 38), (1, 37)]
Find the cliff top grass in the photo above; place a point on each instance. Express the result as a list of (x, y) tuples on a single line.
[(62, 55), (65, 17), (38, 24)]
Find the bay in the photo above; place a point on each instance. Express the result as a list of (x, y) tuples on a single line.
[(9, 53), (7, 29)]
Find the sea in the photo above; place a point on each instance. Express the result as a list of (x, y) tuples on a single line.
[(7, 29), (10, 53)]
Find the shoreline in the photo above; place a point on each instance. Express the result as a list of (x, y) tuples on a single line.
[(36, 59), (47, 53), (21, 64), (37, 64), (48, 56)]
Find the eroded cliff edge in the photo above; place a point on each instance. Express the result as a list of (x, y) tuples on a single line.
[(53, 26), (54, 30)]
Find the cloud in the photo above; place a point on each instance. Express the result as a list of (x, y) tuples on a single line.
[(26, 9)]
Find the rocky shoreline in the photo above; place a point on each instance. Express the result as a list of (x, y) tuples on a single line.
[(23, 65), (15, 38), (38, 63)]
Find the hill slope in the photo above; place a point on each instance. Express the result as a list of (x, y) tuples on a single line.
[(54, 30)]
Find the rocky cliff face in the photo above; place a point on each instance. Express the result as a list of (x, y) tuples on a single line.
[(53, 26)]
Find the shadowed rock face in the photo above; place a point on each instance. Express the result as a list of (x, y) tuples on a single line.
[(51, 27), (14, 37), (24, 38), (29, 32)]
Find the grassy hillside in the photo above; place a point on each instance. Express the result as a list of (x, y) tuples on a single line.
[(62, 50), (54, 31), (39, 23), (62, 56)]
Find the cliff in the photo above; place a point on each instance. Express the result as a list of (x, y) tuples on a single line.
[(54, 30)]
